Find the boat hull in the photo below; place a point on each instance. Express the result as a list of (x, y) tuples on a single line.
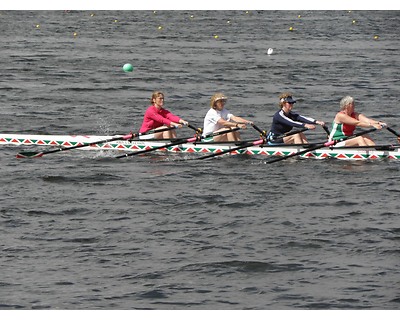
[(65, 141)]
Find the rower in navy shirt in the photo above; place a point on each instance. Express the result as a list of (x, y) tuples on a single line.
[(285, 120)]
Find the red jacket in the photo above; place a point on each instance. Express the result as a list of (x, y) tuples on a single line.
[(154, 118)]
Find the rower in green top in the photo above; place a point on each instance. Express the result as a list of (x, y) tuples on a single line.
[(346, 121)]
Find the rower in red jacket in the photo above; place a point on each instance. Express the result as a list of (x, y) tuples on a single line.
[(157, 117)]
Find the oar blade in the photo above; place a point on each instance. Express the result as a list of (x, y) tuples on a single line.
[(29, 154)]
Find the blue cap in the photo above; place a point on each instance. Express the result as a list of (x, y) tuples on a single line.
[(288, 99)]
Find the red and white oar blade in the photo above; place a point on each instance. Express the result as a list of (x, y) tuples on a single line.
[(29, 154)]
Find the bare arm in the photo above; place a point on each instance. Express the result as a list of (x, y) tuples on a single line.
[(226, 123), (374, 123), (241, 121), (346, 119), (361, 121)]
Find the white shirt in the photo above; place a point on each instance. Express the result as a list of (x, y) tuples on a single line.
[(211, 119)]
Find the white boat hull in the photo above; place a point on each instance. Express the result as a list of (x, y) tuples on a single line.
[(65, 141)]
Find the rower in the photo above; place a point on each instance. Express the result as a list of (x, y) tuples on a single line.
[(219, 119), (158, 117), (346, 121), (285, 120)]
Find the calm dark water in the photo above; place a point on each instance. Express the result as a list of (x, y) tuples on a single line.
[(83, 230)]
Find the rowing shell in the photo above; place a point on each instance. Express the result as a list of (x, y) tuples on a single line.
[(62, 141)]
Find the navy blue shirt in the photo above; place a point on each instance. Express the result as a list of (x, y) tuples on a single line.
[(283, 123)]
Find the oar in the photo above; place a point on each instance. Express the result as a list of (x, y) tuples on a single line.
[(250, 144), (197, 130), (291, 133), (264, 133), (33, 154), (378, 147), (321, 145), (180, 141), (394, 132), (197, 137), (326, 130), (246, 145)]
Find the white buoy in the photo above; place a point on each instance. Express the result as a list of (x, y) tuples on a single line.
[(270, 50)]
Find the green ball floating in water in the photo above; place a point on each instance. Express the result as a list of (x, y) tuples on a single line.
[(127, 67)]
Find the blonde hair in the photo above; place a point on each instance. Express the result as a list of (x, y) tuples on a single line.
[(155, 95), (216, 97), (346, 101), (282, 98)]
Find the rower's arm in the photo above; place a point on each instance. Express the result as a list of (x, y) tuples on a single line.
[(346, 119), (225, 123)]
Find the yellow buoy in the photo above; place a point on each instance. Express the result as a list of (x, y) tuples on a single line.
[(160, 27), (192, 16), (376, 37), (115, 21), (228, 22), (216, 36), (299, 16), (92, 14), (354, 21), (75, 34), (38, 26), (291, 29)]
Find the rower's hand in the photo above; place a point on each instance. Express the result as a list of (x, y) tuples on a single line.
[(185, 123), (321, 123), (309, 126), (243, 125), (382, 124), (378, 125), (176, 125)]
